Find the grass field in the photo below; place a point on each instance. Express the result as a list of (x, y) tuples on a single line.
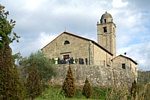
[(53, 92)]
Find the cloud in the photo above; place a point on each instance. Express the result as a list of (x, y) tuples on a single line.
[(27, 46), (139, 52), (119, 3), (39, 21), (32, 5), (138, 4), (44, 39)]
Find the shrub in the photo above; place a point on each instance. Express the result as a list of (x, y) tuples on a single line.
[(33, 85), (68, 87), (143, 77), (45, 69), (143, 91), (87, 91), (10, 86)]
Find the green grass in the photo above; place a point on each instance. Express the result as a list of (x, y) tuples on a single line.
[(53, 92)]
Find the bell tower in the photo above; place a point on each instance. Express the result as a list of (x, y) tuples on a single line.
[(106, 33)]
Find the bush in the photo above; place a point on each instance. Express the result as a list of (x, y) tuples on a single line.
[(33, 85), (143, 91), (87, 91), (45, 69), (143, 77), (10, 86), (68, 87)]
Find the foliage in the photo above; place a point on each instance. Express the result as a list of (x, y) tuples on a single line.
[(143, 91), (33, 85), (100, 93), (45, 68), (53, 92), (6, 28), (143, 77), (68, 87), (87, 91), (139, 92), (17, 57), (147, 92), (118, 94), (10, 86)]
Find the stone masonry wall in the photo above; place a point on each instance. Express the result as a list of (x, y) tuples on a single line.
[(77, 48), (97, 75), (107, 39)]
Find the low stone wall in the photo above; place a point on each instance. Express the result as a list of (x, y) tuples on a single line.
[(97, 75)]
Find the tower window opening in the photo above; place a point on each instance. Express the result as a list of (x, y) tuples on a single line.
[(66, 42), (104, 20), (105, 29)]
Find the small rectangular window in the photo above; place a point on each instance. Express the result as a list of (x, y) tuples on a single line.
[(105, 29), (123, 66)]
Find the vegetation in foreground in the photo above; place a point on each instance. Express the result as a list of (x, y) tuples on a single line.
[(33, 85), (68, 87), (10, 86), (87, 89), (54, 92), (45, 69)]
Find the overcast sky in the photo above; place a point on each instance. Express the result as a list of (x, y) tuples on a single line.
[(40, 21)]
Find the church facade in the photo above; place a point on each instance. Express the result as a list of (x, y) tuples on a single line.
[(68, 46)]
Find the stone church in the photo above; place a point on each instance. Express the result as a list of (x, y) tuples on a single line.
[(68, 46)]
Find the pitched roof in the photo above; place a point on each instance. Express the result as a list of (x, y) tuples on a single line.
[(126, 58), (81, 38)]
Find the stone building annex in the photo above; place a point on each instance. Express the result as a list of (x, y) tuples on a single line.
[(83, 51)]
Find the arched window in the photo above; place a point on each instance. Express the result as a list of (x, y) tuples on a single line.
[(66, 42)]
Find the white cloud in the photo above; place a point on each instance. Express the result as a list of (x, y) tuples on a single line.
[(119, 3), (27, 46), (44, 39), (139, 52), (32, 5), (39, 21)]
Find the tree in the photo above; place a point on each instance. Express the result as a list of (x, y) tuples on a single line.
[(33, 85), (10, 86), (68, 87), (6, 28), (87, 90), (44, 67)]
